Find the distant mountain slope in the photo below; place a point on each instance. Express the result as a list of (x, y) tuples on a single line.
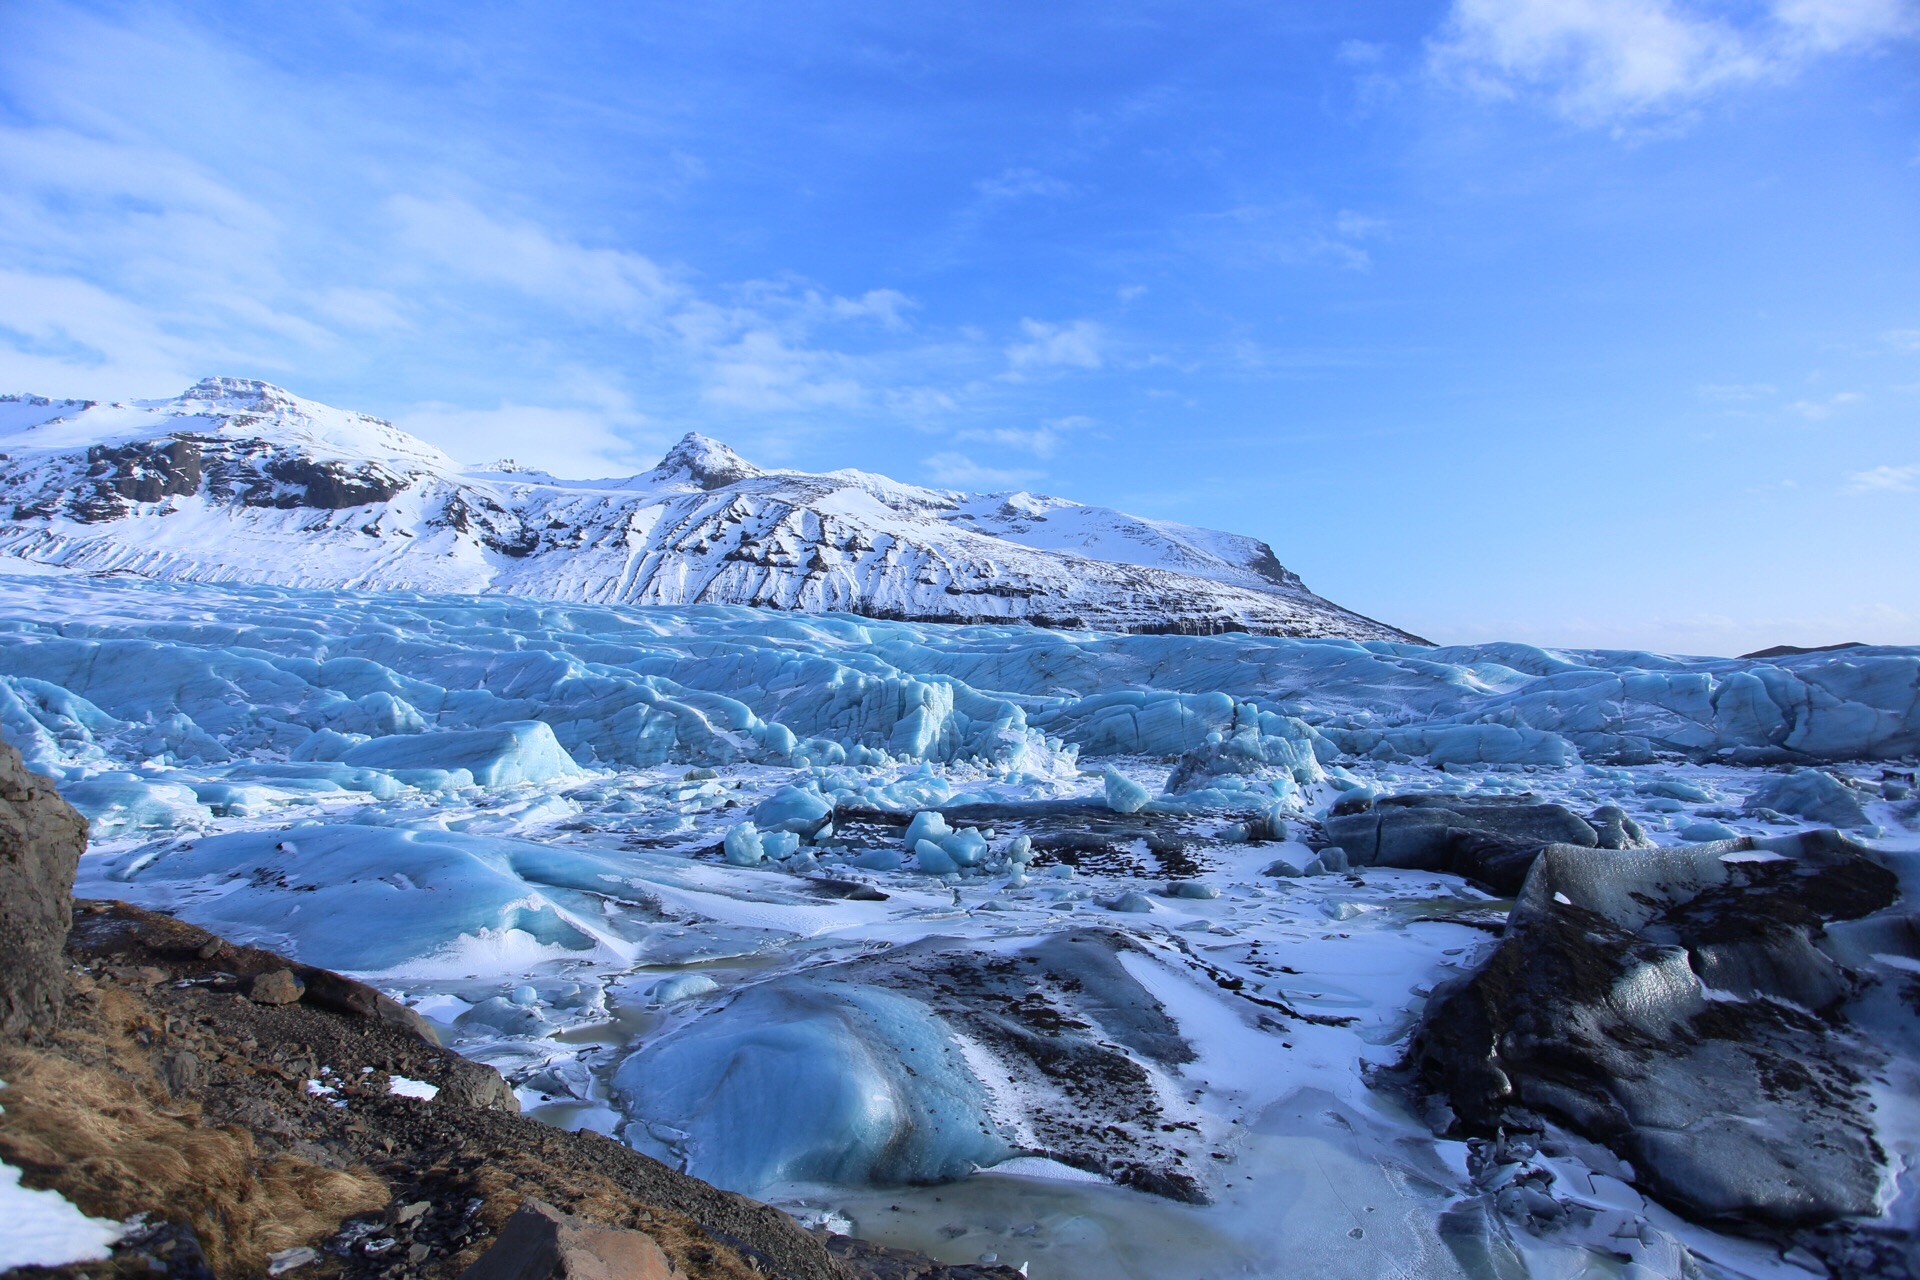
[(240, 481)]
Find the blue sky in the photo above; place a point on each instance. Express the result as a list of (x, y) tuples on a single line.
[(1582, 322)]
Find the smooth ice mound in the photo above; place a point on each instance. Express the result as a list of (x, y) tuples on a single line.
[(368, 899), (811, 1081), (506, 755)]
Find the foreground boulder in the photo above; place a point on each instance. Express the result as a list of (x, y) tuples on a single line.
[(41, 839), (1675, 1004), (541, 1243), (1491, 840)]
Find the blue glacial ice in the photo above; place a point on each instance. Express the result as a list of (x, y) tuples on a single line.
[(125, 677), (380, 900), (537, 819), (805, 1081)]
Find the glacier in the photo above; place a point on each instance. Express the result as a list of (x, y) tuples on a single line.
[(711, 879)]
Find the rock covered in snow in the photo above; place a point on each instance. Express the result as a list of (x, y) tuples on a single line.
[(1664, 1001), (1492, 840)]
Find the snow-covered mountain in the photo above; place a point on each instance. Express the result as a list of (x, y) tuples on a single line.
[(241, 481)]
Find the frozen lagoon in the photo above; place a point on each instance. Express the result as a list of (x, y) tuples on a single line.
[(517, 816)]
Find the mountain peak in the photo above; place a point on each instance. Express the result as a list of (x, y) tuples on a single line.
[(706, 462), (237, 390)]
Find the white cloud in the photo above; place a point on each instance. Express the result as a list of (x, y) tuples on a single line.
[(596, 431), (1825, 25), (1821, 410), (525, 257), (1905, 339), (1042, 441), (1736, 392), (576, 443), (1078, 345), (1606, 61), (1885, 479), (957, 469), (1020, 184), (761, 372), (1351, 225)]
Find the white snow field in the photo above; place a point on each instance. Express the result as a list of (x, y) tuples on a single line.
[(985, 940)]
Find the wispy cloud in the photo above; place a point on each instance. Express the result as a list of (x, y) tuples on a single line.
[(1610, 61), (1021, 184), (1821, 410), (1884, 479), (1079, 344), (1736, 392), (957, 469), (1042, 441)]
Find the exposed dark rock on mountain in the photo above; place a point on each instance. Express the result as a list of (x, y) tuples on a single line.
[(1675, 1004)]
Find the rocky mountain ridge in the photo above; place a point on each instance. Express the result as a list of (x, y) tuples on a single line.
[(241, 481)]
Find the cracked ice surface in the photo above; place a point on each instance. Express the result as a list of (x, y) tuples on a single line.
[(657, 865)]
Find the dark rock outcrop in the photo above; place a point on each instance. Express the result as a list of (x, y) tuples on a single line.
[(329, 486), (41, 839), (1491, 841), (1675, 1005), (541, 1243)]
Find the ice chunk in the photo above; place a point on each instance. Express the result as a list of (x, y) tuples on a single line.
[(1674, 789), (502, 756), (1124, 795), (682, 986), (779, 845), (928, 825), (119, 803), (803, 811), (1192, 889), (502, 1016), (1706, 831), (967, 847), (744, 847), (1131, 902), (933, 859), (1813, 794), (801, 1080)]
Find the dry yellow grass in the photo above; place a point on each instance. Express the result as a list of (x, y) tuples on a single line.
[(87, 1113)]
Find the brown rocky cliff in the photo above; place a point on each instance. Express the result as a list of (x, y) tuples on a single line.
[(41, 839)]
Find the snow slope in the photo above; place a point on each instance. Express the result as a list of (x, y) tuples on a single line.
[(240, 481)]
